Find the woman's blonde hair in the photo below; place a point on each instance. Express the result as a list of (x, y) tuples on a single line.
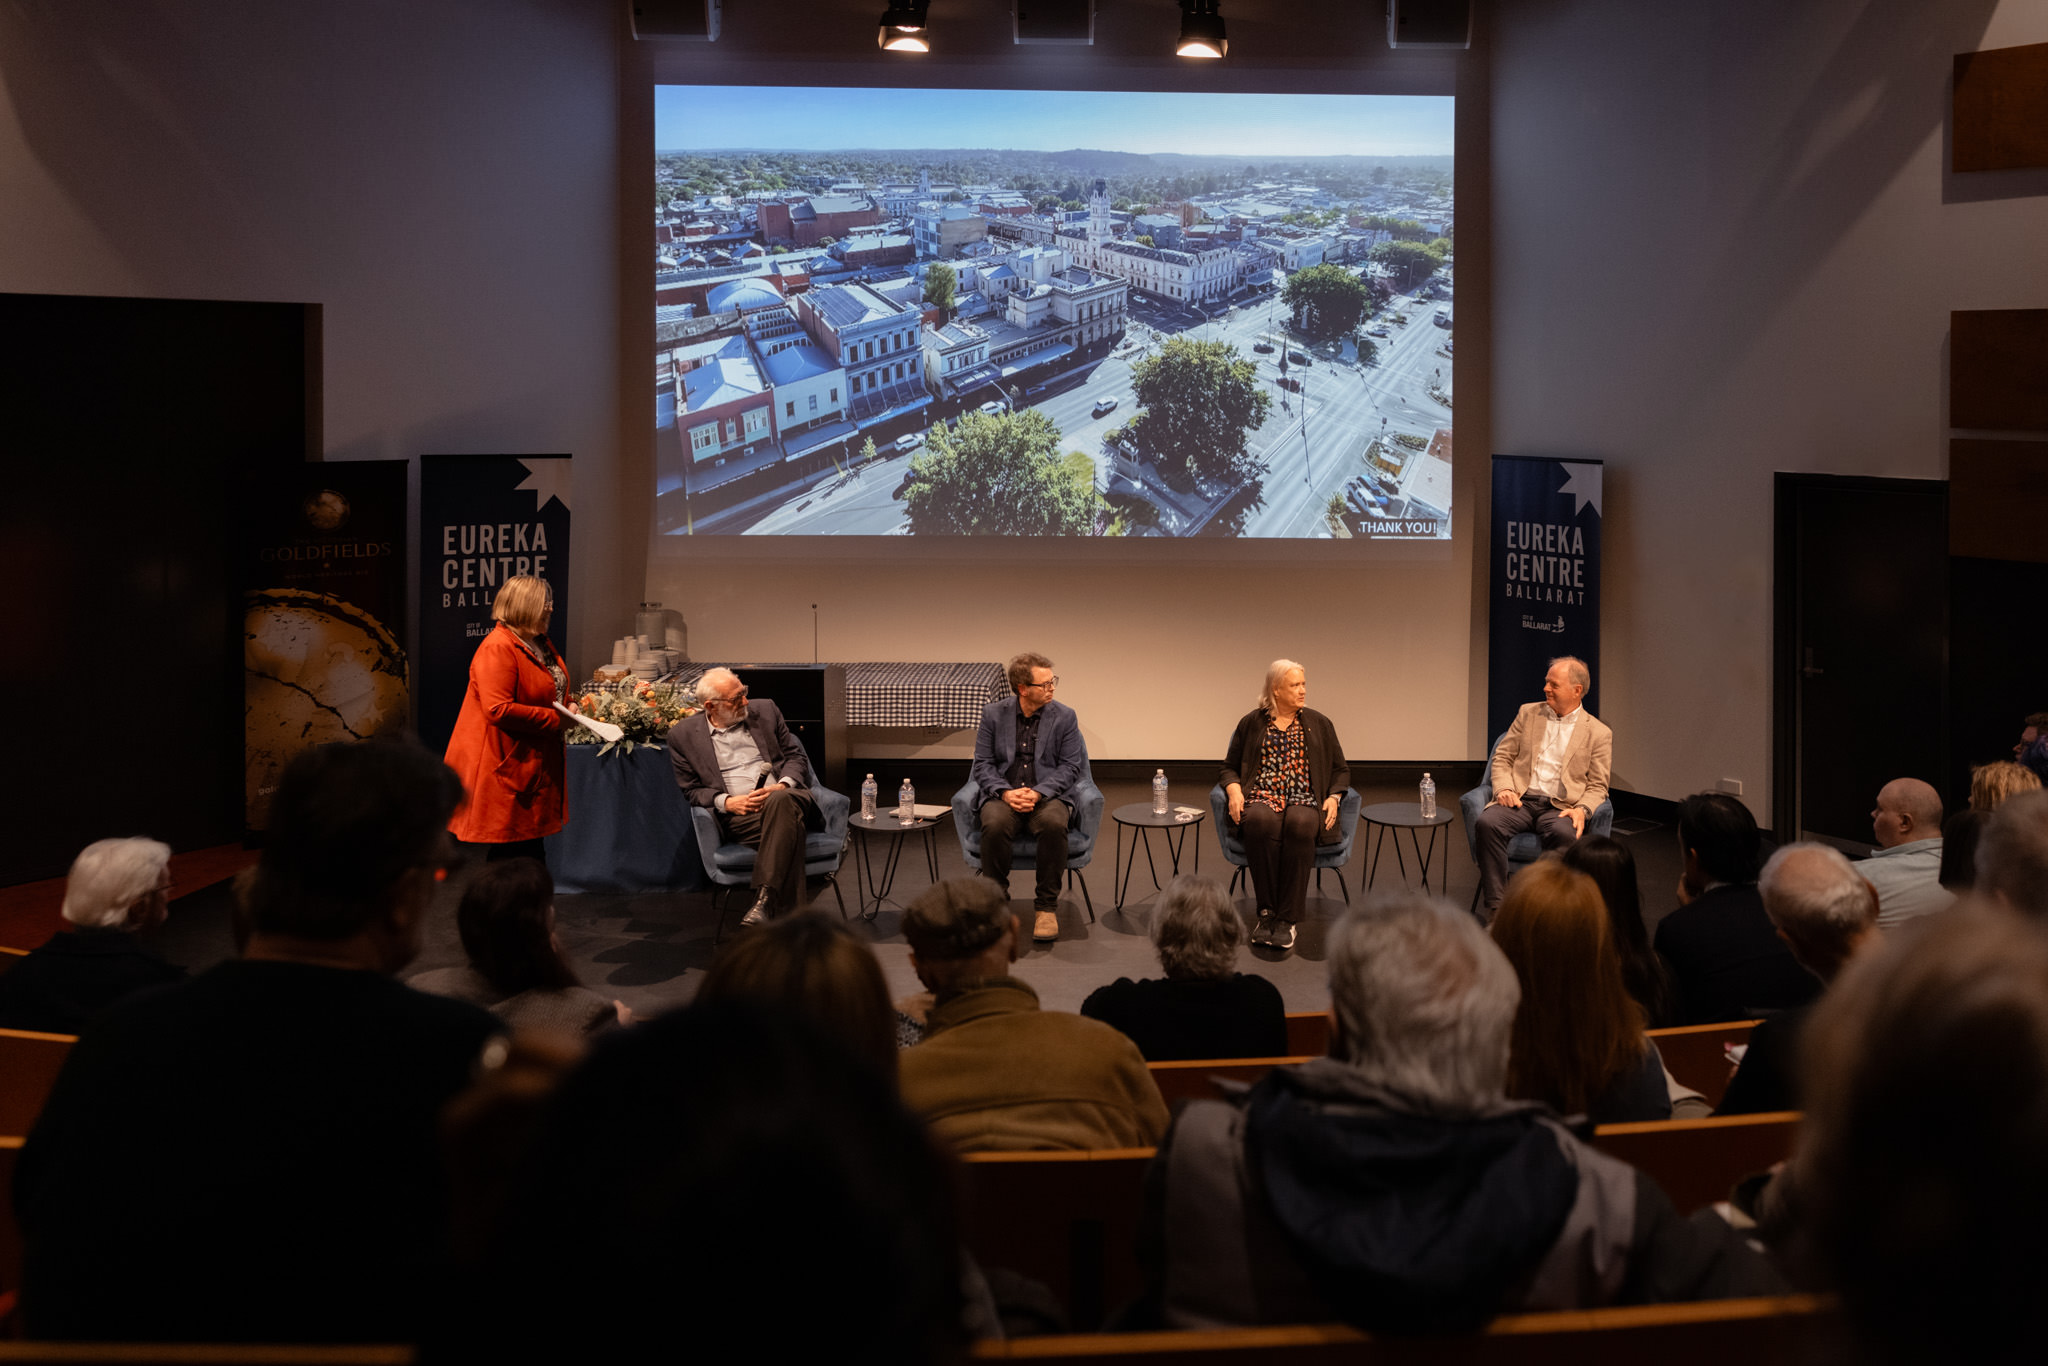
[(1276, 671), (1991, 784), (524, 602)]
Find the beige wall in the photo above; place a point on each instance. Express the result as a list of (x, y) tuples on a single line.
[(1724, 240), (1726, 245), (440, 178)]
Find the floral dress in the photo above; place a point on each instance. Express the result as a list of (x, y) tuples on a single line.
[(1283, 768)]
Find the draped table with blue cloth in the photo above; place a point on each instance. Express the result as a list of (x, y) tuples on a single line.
[(628, 828)]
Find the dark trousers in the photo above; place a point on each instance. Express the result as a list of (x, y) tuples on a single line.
[(533, 849), (1280, 852), (1047, 823), (775, 831), (1498, 825)]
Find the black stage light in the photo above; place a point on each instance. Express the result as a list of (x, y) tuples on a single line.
[(1201, 30), (903, 28)]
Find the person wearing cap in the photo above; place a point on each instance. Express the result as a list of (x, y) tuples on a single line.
[(996, 1073)]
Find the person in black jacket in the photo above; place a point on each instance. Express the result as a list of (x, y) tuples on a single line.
[(1203, 1007), (1393, 1185), (1727, 961), (1826, 914), (1284, 779), (254, 1155), (116, 888)]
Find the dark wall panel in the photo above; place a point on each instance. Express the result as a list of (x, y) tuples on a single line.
[(2001, 110), (1998, 658), (126, 424)]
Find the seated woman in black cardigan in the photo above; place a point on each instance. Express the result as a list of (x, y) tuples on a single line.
[(1203, 1007), (1284, 777)]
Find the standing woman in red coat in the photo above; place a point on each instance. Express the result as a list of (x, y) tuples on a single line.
[(507, 745)]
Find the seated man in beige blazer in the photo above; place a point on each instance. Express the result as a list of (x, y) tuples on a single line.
[(1549, 774)]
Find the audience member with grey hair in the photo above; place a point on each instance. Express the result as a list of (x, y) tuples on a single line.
[(1826, 913), (2012, 855), (116, 888), (994, 1071), (1919, 1198), (1203, 1007), (1394, 1186)]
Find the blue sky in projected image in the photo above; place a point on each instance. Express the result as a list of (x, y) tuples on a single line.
[(773, 118)]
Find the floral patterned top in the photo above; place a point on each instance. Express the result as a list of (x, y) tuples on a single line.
[(1283, 768)]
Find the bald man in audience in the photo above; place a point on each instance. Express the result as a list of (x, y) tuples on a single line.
[(1906, 869), (1826, 914), (2012, 855)]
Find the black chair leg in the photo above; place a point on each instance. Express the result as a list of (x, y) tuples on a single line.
[(1086, 900)]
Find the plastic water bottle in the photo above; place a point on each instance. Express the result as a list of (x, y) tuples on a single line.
[(869, 795), (1428, 798), (1159, 792), (906, 802)]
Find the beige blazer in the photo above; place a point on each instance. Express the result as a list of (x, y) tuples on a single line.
[(1586, 764)]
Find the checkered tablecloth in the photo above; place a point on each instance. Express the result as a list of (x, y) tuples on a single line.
[(946, 695), (949, 696)]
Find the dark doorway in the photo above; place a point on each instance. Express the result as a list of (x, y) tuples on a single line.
[(1861, 673), (127, 425)]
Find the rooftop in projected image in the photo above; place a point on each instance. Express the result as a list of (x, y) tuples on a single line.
[(1055, 254)]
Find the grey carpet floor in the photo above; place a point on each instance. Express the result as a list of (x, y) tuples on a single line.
[(650, 950)]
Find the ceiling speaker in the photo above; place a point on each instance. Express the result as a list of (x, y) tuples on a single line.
[(691, 20), (1054, 21), (1429, 23)]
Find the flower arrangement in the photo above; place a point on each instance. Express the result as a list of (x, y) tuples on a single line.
[(643, 710)]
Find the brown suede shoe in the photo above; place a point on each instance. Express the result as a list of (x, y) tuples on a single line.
[(1045, 927)]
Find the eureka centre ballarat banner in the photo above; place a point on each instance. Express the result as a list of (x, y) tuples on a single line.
[(483, 518), (1544, 592), (323, 614)]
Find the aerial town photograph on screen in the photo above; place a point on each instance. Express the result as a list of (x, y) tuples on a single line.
[(1030, 313)]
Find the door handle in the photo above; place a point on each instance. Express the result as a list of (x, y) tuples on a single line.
[(1811, 669)]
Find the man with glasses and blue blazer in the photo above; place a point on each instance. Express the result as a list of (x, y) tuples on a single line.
[(1027, 756)]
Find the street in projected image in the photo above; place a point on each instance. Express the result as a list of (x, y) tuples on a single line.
[(1049, 314)]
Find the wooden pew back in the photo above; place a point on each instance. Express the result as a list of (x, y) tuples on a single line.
[(1308, 1033), (1697, 1054), (1179, 1081), (1067, 1219), (29, 1063), (1778, 1331), (1697, 1161)]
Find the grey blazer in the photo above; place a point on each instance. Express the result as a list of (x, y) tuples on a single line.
[(696, 763)]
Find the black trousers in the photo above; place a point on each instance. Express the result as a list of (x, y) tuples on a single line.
[(1280, 852), (775, 831), (1498, 825), (533, 849), (1048, 823)]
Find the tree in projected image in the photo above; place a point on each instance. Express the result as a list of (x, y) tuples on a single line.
[(1199, 403), (1413, 262), (939, 283), (1327, 301), (1000, 476)]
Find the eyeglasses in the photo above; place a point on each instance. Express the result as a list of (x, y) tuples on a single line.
[(1048, 685), (734, 698)]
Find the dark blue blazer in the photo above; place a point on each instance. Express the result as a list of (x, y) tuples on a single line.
[(1061, 752)]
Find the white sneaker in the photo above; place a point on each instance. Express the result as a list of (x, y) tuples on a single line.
[(1282, 935), (1262, 933)]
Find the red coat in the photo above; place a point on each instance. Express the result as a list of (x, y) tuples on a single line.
[(507, 746)]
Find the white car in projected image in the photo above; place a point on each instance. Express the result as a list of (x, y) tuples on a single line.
[(1131, 335)]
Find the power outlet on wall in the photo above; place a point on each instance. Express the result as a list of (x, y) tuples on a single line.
[(1732, 786)]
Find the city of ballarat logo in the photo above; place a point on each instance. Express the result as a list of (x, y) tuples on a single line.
[(325, 510), (1530, 623)]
